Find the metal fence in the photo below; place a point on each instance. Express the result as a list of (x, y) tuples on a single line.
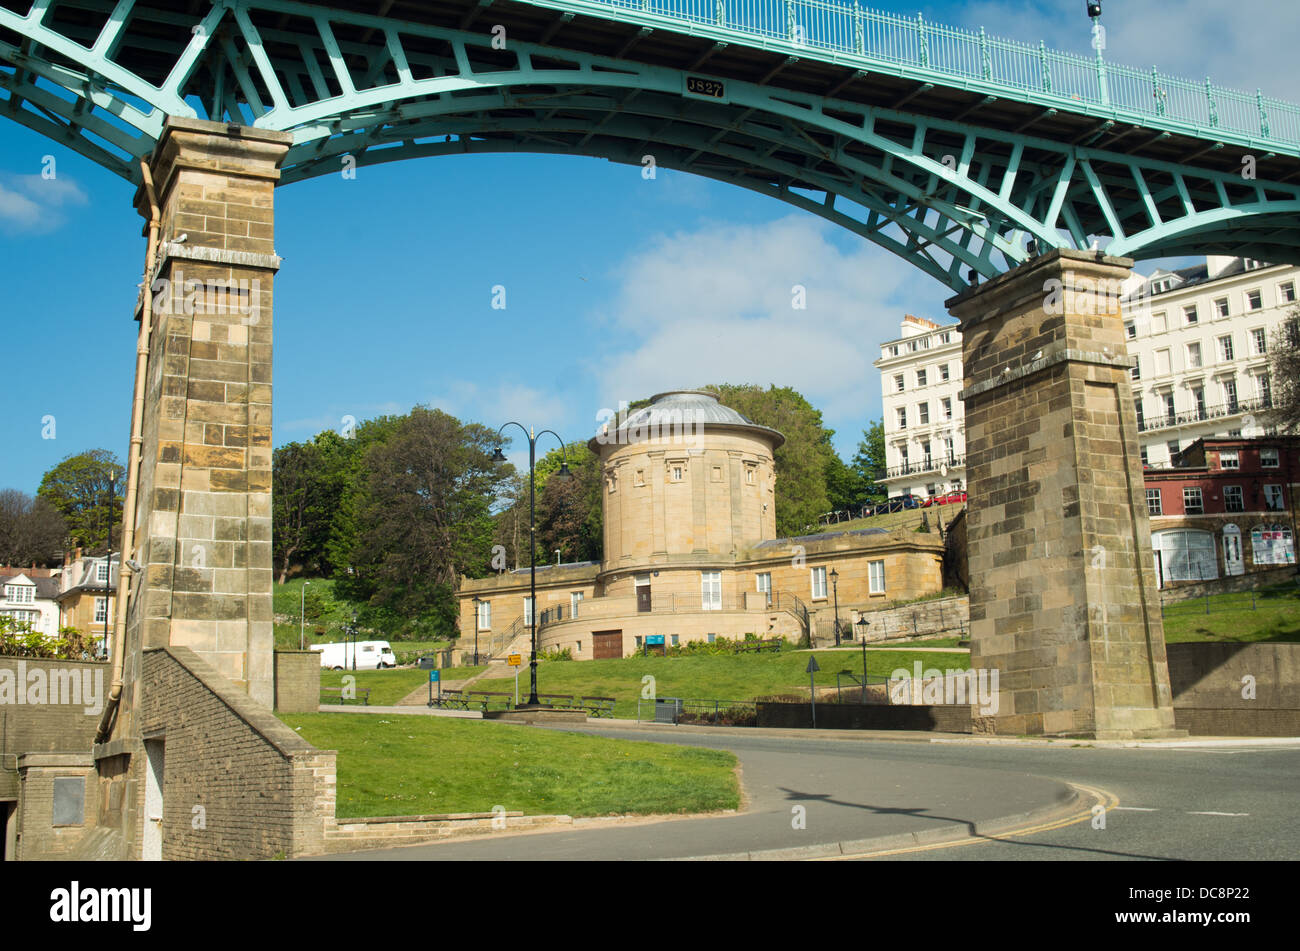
[(850, 31), (1225, 602), (709, 712)]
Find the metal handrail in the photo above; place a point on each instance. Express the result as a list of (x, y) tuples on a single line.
[(910, 45)]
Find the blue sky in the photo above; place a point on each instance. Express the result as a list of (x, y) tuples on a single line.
[(616, 287)]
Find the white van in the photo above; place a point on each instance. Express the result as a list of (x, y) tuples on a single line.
[(368, 655)]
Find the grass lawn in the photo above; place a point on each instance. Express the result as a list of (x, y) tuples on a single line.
[(411, 765), (722, 677), (1273, 616)]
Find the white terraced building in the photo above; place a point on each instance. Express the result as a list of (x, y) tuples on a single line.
[(1200, 334)]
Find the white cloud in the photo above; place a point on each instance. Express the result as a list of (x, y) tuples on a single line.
[(1240, 45), (715, 305), (32, 203)]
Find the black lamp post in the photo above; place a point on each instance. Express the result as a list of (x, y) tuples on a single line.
[(499, 456), (477, 602), (835, 587), (863, 623)]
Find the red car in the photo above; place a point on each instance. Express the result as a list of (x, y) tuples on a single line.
[(950, 498)]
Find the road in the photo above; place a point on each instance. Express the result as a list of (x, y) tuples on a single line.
[(821, 796)]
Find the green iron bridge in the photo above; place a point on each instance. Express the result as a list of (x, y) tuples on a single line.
[(961, 152)]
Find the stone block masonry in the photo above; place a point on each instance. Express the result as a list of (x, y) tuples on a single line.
[(1063, 600), (204, 518)]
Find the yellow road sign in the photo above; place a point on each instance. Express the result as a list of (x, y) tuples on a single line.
[(515, 660)]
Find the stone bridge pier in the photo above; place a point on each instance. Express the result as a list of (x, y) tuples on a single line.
[(196, 765), (203, 528), (1062, 586)]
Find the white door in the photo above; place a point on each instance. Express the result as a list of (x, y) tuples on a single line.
[(153, 800), (1232, 563)]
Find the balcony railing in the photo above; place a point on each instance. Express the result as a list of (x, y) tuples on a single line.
[(928, 464), (910, 45), (1200, 415)]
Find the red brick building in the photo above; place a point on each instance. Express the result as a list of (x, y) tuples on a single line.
[(1226, 509)]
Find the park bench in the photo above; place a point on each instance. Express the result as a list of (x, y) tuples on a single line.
[(362, 692), (599, 706), (450, 700), (492, 696), (745, 647), (559, 701)]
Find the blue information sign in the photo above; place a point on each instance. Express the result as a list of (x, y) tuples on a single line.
[(654, 639), (434, 676)]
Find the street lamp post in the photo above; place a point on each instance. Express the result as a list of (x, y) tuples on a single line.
[(477, 602), (835, 586), (499, 456), (864, 624), (302, 616)]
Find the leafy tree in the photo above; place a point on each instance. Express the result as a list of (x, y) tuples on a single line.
[(31, 530), (308, 480), (569, 516), (844, 485), (802, 462), (1284, 374), (78, 488), (345, 526), (869, 461), (421, 516)]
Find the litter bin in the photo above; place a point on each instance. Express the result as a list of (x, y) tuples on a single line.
[(668, 710), (428, 662)]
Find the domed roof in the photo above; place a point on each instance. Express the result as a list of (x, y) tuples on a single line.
[(672, 412)]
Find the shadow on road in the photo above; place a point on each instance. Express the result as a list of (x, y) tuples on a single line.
[(796, 795)]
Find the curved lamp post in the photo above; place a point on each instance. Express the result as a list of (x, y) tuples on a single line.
[(863, 623), (835, 586), (499, 456)]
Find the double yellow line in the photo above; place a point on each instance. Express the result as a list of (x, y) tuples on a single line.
[(1106, 800)]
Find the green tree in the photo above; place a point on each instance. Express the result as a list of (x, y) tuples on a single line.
[(422, 510), (344, 526), (1284, 374), (31, 530), (869, 461), (845, 487), (569, 516), (308, 482), (78, 487)]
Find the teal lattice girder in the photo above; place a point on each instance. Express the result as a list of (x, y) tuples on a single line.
[(953, 197)]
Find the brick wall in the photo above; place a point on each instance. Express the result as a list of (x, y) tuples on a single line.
[(43, 728), (262, 789)]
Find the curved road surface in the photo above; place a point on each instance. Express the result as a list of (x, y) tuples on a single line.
[(824, 795)]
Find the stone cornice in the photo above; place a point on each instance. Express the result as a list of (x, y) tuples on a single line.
[(1061, 356)]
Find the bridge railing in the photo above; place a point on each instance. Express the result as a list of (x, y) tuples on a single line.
[(911, 41)]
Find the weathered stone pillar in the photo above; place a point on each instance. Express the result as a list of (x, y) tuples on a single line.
[(203, 530), (1062, 588)]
